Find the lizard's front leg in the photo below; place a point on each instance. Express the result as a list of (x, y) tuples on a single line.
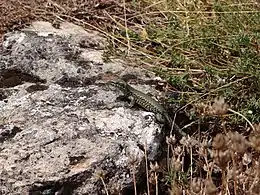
[(159, 117), (132, 103)]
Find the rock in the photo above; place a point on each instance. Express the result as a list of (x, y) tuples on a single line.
[(62, 129)]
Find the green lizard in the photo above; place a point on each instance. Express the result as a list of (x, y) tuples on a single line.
[(148, 103)]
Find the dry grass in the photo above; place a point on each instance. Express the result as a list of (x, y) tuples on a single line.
[(205, 49)]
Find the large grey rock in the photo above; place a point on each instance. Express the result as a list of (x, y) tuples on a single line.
[(61, 126)]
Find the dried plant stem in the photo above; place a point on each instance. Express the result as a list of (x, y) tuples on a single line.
[(168, 157), (126, 30), (169, 146), (224, 185), (191, 162), (156, 184), (134, 181), (234, 173), (146, 168), (103, 32), (103, 182), (233, 111), (256, 179), (194, 12)]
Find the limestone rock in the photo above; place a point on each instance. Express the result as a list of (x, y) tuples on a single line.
[(62, 128)]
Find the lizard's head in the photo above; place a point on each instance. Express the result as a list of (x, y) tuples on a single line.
[(120, 84)]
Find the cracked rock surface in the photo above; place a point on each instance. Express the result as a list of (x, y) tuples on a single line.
[(61, 126)]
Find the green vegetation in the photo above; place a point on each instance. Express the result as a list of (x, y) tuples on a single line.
[(206, 45)]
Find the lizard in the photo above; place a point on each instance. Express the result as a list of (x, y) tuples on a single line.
[(147, 103)]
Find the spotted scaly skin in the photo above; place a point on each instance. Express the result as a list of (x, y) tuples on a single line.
[(148, 103)]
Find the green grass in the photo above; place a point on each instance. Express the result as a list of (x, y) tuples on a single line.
[(222, 39)]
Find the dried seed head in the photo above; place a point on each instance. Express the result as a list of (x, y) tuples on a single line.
[(202, 109), (154, 167), (188, 142), (153, 178), (247, 159), (196, 185), (176, 164), (220, 142), (210, 187), (231, 172), (254, 141), (219, 107), (178, 151), (221, 158), (238, 142), (257, 128), (133, 160), (254, 138), (171, 140), (208, 167), (203, 148), (242, 178), (175, 189), (224, 158), (202, 151), (100, 173)]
